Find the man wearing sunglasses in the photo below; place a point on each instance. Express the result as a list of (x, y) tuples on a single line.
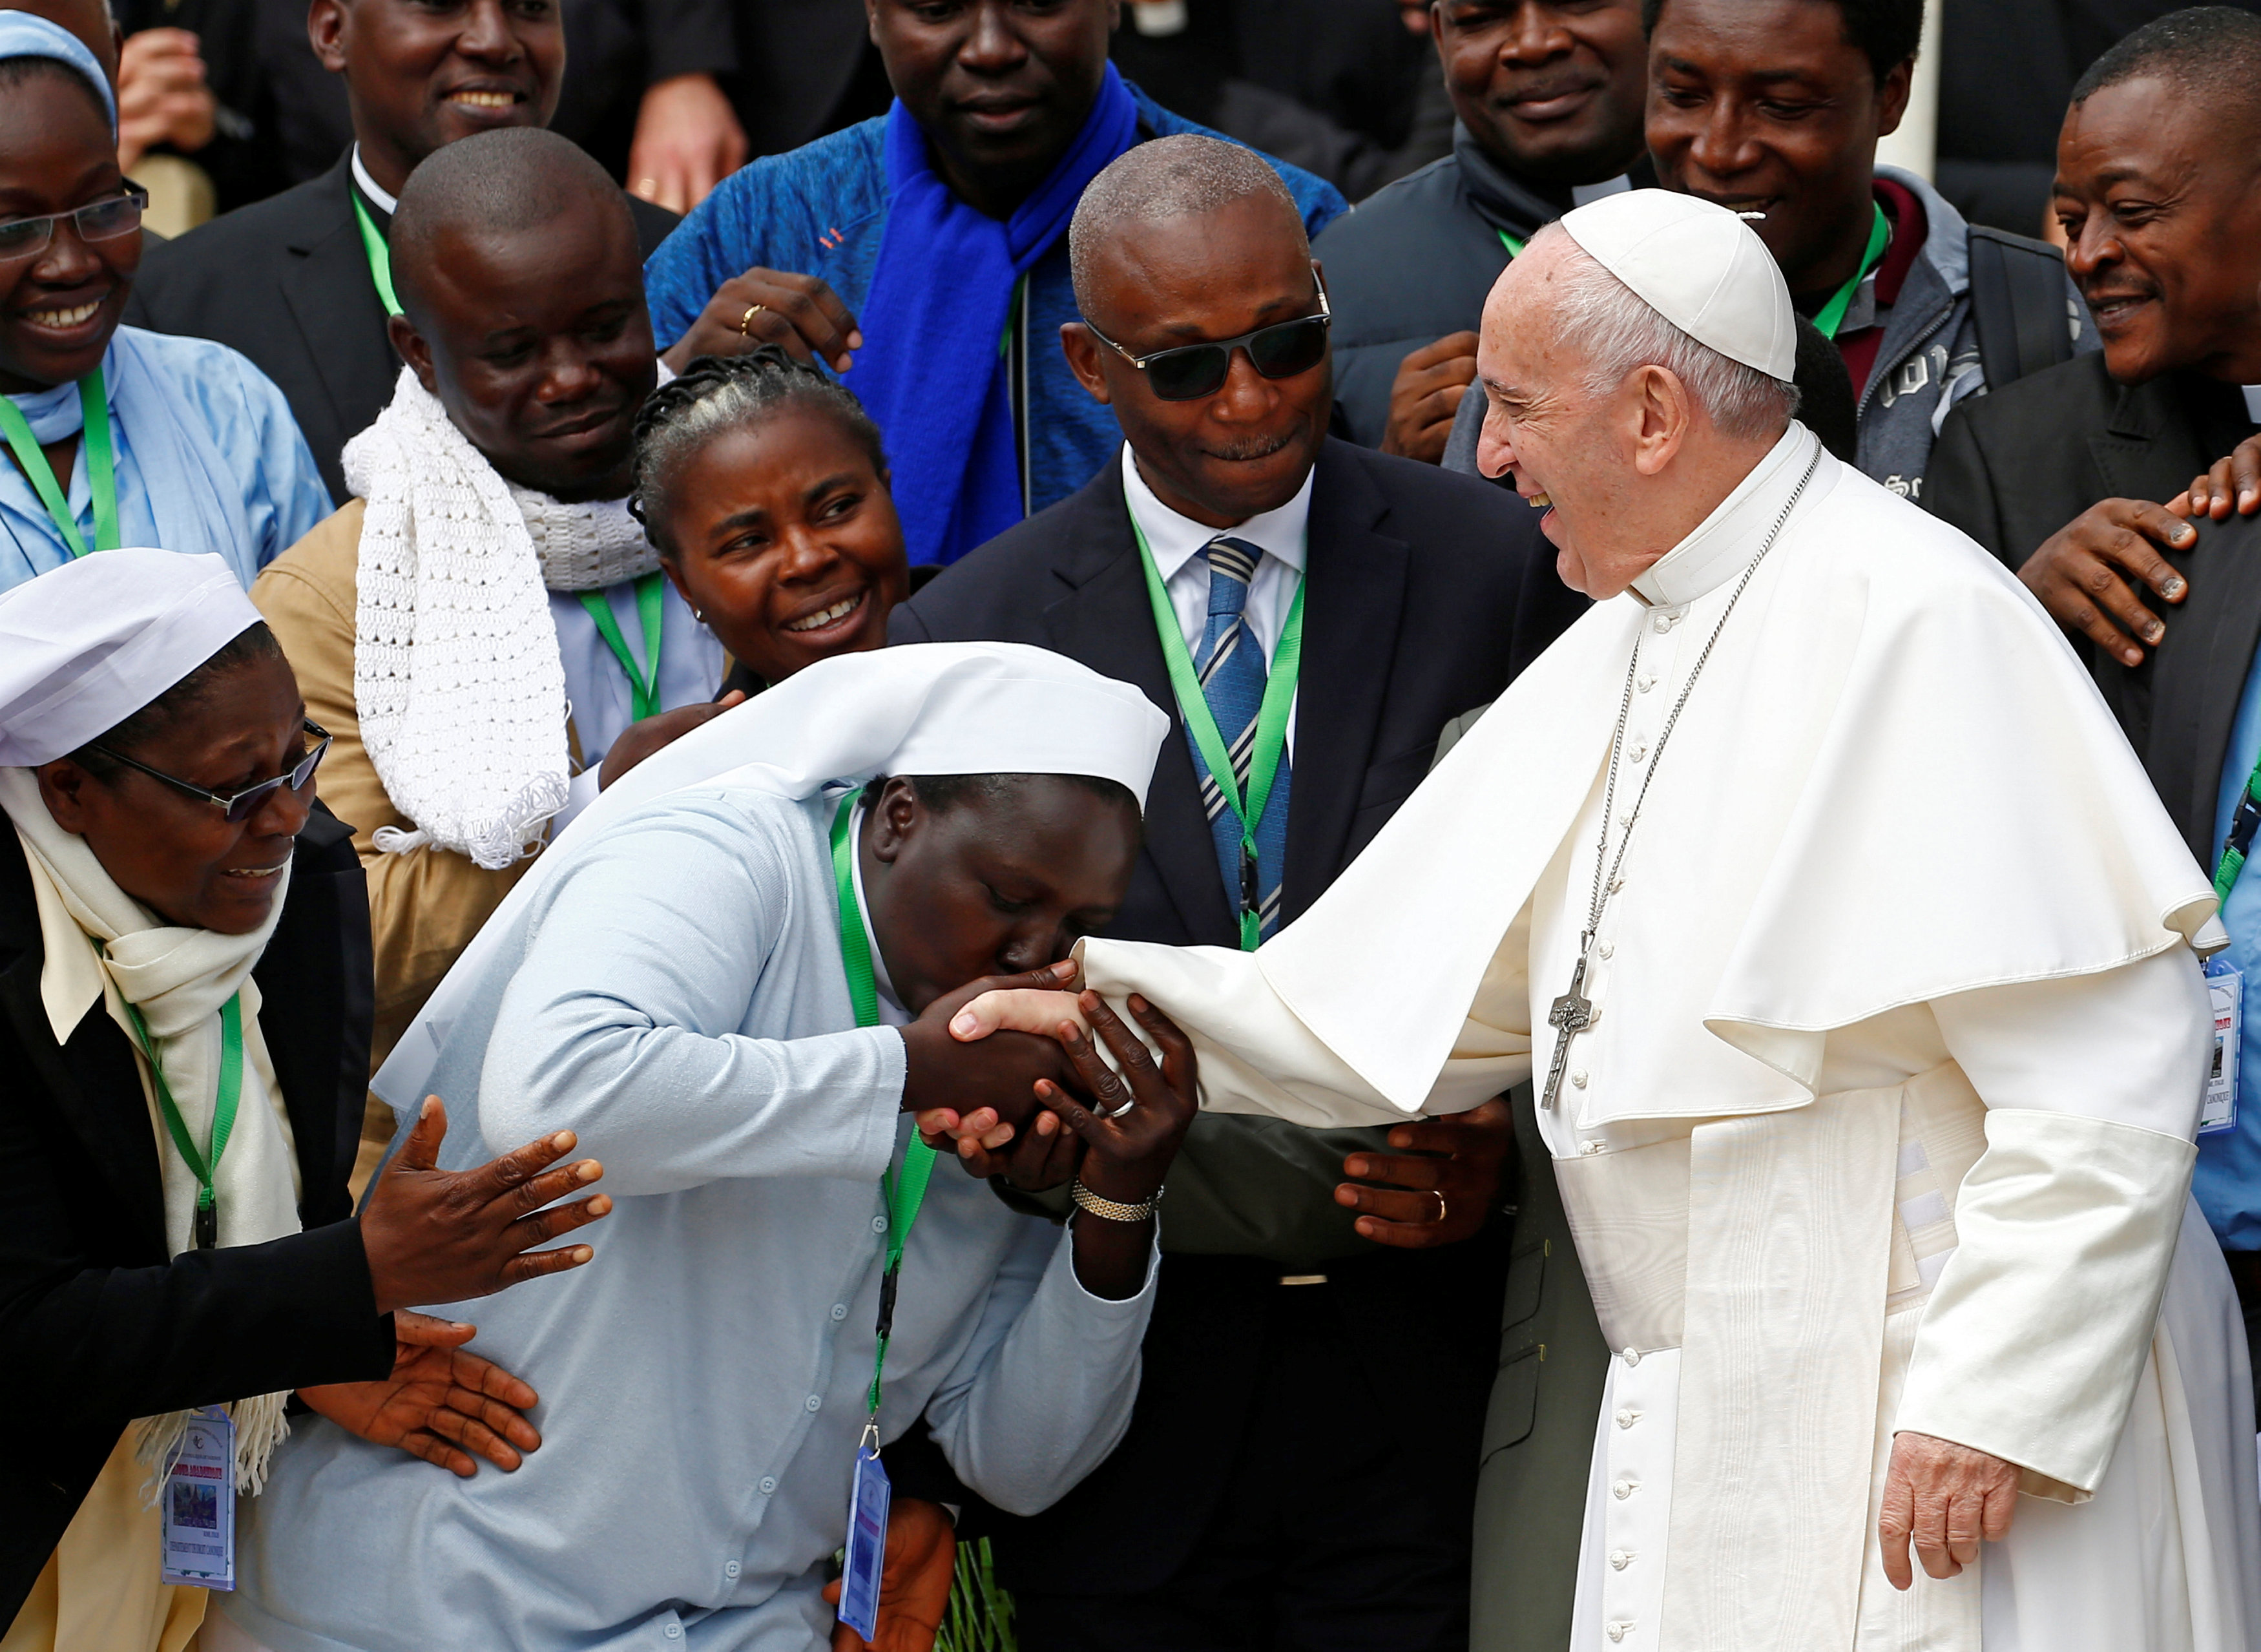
[(1312, 612)]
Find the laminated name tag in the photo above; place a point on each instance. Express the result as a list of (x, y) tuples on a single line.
[(2225, 986), (196, 1505), (867, 1544)]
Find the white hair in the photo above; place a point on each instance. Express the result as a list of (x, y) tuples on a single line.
[(1183, 176), (1621, 332)]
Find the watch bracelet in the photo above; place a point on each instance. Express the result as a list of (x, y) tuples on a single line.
[(1112, 1209)]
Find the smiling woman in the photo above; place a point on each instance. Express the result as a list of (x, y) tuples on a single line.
[(762, 484), (116, 436), (183, 1017)]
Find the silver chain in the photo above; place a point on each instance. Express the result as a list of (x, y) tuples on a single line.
[(1606, 885)]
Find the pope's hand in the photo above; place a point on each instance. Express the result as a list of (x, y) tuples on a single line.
[(948, 1080), (1946, 1498), (992, 1008)]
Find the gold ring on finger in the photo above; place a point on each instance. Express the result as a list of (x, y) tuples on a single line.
[(1442, 1209), (747, 319)]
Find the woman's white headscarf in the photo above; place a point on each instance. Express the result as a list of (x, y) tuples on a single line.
[(81, 648), (924, 708)]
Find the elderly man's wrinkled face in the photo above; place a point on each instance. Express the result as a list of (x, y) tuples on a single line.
[(1561, 445), (2162, 214)]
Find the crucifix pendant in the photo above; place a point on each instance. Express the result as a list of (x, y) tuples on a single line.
[(1571, 1015)]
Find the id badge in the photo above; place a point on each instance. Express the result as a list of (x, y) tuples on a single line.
[(867, 1543), (2225, 987), (197, 1505)]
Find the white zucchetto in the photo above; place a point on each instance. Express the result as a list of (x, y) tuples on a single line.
[(1698, 266), (84, 646)]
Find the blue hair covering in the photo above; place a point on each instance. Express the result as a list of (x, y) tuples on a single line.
[(24, 35)]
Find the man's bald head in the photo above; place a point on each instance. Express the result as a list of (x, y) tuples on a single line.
[(1187, 175), (522, 294), (497, 186), (2209, 55)]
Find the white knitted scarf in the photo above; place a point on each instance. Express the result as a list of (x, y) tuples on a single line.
[(456, 675), (177, 978)]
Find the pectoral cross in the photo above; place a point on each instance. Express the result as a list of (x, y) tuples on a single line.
[(1571, 1015)]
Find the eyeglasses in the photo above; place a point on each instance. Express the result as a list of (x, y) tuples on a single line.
[(243, 804), (105, 219), (1191, 371)]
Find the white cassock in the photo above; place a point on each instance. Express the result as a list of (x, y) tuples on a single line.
[(1886, 1118)]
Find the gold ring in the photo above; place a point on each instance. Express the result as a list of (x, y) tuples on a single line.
[(747, 319), (1442, 1209)]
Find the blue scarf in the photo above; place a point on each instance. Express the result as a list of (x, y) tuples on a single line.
[(931, 370)]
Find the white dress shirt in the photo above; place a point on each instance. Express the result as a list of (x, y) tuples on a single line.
[(1177, 543), (378, 197)]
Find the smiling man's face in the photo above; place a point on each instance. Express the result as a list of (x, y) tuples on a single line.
[(1550, 89), (1765, 106), (536, 341), (1246, 449), (421, 74), (2162, 214)]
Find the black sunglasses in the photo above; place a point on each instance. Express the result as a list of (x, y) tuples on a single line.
[(1191, 371), (240, 807)]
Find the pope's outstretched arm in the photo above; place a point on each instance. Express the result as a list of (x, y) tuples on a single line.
[(1257, 1055)]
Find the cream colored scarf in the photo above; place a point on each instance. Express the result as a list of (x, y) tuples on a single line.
[(457, 674), (177, 978)]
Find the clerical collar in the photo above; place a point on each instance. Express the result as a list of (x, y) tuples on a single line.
[(1725, 542), (2253, 402), (1507, 203), (384, 202), (1177, 540)]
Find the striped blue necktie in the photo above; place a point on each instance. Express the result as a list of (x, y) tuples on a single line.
[(1231, 669)]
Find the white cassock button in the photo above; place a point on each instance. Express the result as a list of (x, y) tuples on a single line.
[(1616, 884), (1579, 1078), (1619, 1559), (1663, 623), (1627, 1418), (1618, 1630), (1622, 1489), (1590, 1147), (1632, 1357), (1638, 753), (1646, 682), (1608, 952)]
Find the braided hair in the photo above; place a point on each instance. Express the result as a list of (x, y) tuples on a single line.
[(718, 393)]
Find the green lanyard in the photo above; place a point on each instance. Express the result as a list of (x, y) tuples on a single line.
[(903, 1194), (1833, 313), (380, 256), (1514, 245), (2239, 843), (101, 465), (224, 1104), (1271, 717), (644, 686)]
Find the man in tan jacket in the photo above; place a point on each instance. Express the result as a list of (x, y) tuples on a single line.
[(483, 618)]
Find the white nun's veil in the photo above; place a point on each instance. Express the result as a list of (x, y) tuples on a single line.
[(924, 708)]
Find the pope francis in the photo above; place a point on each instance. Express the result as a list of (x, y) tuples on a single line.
[(1858, 968)]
